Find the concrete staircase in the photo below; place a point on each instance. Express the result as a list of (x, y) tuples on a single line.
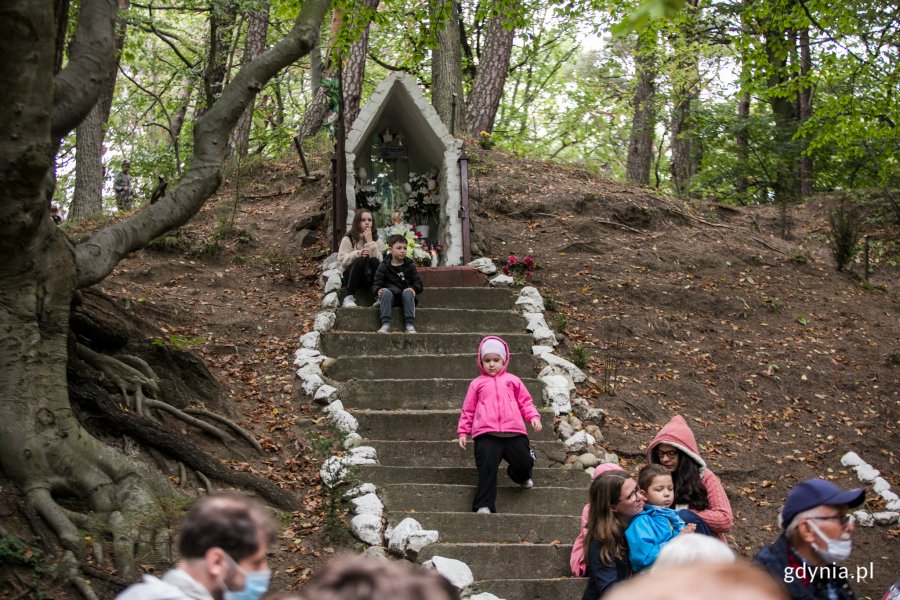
[(406, 392)]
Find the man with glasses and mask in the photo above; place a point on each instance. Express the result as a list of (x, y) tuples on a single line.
[(223, 545), (817, 528)]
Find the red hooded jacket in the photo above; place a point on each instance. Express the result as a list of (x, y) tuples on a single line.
[(678, 433)]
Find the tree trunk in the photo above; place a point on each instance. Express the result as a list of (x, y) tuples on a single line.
[(43, 449), (87, 199), (640, 142), (257, 28), (780, 45), (446, 67), (741, 184), (685, 92), (222, 15), (806, 111), (487, 89)]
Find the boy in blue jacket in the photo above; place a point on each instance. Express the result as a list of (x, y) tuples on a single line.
[(657, 524)]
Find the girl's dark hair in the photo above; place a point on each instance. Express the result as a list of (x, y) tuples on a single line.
[(602, 523), (355, 233), (686, 479)]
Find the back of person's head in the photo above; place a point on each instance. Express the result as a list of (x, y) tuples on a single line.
[(735, 581), (396, 238), (359, 578), (648, 473), (232, 522), (694, 548)]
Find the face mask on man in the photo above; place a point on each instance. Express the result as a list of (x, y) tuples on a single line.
[(835, 551), (256, 583)]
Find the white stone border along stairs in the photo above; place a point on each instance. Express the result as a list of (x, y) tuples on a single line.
[(868, 474), (407, 538)]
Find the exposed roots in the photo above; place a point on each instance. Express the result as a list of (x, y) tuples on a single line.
[(237, 428)]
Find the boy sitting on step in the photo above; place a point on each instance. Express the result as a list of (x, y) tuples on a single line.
[(397, 282), (657, 524), (494, 412)]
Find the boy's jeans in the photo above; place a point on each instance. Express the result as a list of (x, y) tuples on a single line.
[(409, 306)]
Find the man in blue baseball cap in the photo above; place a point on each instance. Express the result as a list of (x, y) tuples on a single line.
[(817, 526)]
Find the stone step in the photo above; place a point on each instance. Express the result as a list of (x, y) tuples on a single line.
[(435, 320), (535, 589), (398, 394), (485, 298), (369, 343), (451, 277), (455, 527), (425, 425), (431, 497), (422, 366), (507, 561), (448, 454), (543, 476)]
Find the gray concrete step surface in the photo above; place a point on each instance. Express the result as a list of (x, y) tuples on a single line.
[(564, 588), (543, 476), (457, 527), (370, 343), (429, 497), (483, 298), (425, 425), (448, 454), (507, 561), (412, 394), (423, 366), (435, 320)]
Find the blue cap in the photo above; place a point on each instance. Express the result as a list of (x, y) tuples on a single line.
[(818, 492)]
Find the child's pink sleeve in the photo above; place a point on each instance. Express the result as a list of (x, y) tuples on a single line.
[(577, 559), (467, 415)]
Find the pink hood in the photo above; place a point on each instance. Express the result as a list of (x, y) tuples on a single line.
[(478, 354), (677, 433)]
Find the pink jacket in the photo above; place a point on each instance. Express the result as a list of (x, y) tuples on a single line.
[(576, 559), (496, 404), (678, 433)]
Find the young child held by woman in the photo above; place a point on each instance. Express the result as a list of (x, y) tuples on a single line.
[(494, 412), (657, 524)]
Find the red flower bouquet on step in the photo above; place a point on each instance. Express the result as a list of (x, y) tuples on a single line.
[(519, 270)]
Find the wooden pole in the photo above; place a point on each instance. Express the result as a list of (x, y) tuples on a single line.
[(339, 217), (464, 205)]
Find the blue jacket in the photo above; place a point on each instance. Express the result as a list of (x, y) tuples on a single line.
[(648, 532)]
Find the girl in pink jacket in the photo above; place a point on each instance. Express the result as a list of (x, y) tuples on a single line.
[(494, 414)]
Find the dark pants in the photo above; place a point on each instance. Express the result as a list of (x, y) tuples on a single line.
[(489, 451), (360, 274), (389, 299), (689, 516)]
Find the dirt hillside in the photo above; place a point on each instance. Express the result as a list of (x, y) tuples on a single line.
[(780, 363)]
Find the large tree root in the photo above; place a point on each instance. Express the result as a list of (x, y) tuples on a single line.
[(151, 433), (139, 385)]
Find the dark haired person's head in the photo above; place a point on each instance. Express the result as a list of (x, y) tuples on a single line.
[(223, 544), (689, 489), (358, 578), (396, 239), (362, 219), (648, 472)]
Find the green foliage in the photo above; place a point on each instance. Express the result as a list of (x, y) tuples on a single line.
[(561, 322), (177, 341), (13, 551), (579, 356), (845, 230)]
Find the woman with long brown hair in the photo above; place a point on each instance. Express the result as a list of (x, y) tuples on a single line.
[(614, 500), (359, 255)]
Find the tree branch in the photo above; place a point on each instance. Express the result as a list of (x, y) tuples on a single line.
[(77, 87), (96, 257)]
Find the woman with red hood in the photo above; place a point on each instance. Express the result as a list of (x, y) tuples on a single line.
[(696, 487), (494, 412)]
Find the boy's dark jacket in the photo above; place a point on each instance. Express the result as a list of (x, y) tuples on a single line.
[(387, 277)]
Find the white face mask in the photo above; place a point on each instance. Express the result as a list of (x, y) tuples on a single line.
[(836, 550)]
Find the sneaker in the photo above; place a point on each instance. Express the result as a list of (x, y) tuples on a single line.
[(349, 302), (528, 484), (484, 510), (386, 328), (410, 328)]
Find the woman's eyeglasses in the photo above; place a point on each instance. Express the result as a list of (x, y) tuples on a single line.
[(670, 454), (632, 496)]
